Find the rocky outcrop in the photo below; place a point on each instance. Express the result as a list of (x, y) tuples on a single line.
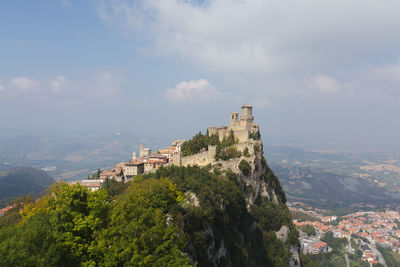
[(255, 184)]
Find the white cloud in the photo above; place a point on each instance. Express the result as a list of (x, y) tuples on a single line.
[(373, 81), (324, 84), (57, 83), (23, 83), (101, 87), (260, 35), (195, 90)]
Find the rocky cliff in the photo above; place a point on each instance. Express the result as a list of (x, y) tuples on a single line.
[(260, 227)]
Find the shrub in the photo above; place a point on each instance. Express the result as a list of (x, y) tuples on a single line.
[(245, 167), (232, 152), (246, 152), (308, 229)]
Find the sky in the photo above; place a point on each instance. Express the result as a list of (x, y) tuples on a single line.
[(316, 71)]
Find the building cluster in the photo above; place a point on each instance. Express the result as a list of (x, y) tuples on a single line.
[(243, 128), (368, 229), (146, 162)]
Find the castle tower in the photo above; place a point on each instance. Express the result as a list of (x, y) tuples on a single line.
[(246, 118), (144, 152), (234, 124)]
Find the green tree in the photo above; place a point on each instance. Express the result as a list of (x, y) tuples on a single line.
[(308, 229), (113, 187), (246, 152), (244, 167), (75, 216), (141, 231)]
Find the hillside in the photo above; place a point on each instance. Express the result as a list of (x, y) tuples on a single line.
[(216, 203), (231, 213), (22, 180), (332, 179), (68, 158)]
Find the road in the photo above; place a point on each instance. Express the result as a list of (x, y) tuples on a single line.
[(347, 260), (379, 255)]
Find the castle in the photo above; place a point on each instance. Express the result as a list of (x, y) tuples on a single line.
[(242, 128)]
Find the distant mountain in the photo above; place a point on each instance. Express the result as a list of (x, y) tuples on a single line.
[(336, 179), (73, 158), (22, 180)]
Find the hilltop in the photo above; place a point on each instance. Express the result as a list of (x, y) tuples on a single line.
[(215, 203)]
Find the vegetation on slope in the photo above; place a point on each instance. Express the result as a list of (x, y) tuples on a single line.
[(225, 149), (22, 180), (391, 258), (151, 222)]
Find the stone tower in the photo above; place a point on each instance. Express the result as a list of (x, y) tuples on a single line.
[(246, 118), (144, 152), (234, 124)]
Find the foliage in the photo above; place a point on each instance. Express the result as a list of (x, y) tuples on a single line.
[(34, 243), (138, 234), (75, 215), (255, 135), (274, 183), (13, 216), (246, 152), (244, 167), (72, 226), (270, 217), (224, 149), (150, 222), (197, 143), (332, 259), (95, 175), (308, 229), (223, 217), (113, 187), (334, 243), (232, 152), (390, 260)]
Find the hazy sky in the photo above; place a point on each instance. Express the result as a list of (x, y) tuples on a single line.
[(314, 70)]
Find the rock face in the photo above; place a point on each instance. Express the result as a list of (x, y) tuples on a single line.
[(261, 233), (255, 184), (258, 183)]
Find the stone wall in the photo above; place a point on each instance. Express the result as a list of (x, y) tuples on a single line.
[(201, 159)]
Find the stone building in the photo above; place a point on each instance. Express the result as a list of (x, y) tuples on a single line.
[(133, 168), (242, 127), (144, 152)]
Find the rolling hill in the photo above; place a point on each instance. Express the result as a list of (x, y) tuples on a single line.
[(22, 180)]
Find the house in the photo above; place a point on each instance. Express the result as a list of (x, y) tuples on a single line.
[(152, 164), (320, 247), (93, 184), (133, 168)]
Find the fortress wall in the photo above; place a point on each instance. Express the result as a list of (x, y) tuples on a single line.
[(241, 147), (201, 159), (242, 135)]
